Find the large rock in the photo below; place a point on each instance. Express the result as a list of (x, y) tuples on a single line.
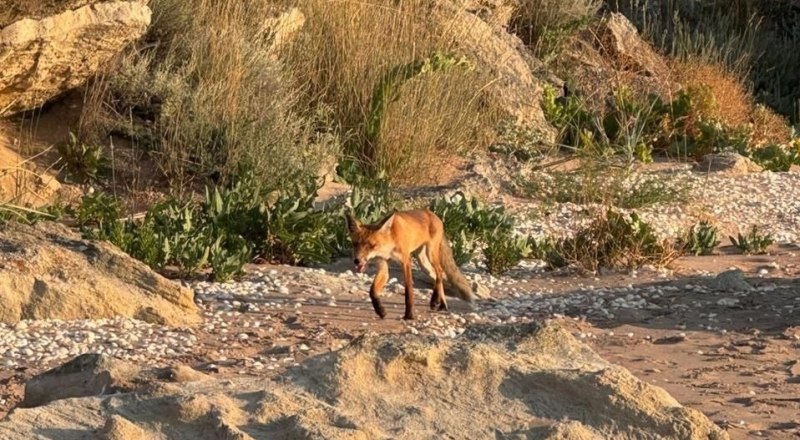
[(517, 91), (44, 56), (730, 281), (729, 163), (48, 272), (610, 55), (620, 40), (526, 381)]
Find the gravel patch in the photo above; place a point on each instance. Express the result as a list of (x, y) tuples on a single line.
[(48, 342)]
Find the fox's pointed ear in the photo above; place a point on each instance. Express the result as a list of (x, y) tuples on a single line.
[(353, 225), (386, 224)]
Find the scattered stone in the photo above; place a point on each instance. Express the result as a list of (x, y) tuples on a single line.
[(670, 340), (730, 281)]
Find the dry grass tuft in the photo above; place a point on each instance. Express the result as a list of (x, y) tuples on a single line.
[(205, 94), (733, 104), (732, 101), (347, 49)]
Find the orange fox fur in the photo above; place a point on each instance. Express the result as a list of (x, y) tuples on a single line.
[(397, 237)]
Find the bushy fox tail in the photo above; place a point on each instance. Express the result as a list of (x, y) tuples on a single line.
[(454, 275)]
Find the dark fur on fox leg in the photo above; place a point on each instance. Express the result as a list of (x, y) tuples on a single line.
[(376, 304), (436, 304)]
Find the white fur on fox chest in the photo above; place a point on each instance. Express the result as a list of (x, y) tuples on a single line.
[(389, 252), (386, 252)]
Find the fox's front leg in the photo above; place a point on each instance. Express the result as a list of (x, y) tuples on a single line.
[(377, 287), (409, 315)]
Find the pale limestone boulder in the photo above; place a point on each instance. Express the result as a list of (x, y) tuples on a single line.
[(43, 57)]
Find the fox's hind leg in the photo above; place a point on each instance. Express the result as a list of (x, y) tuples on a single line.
[(425, 263), (437, 298)]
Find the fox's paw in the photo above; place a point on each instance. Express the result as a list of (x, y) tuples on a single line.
[(408, 317), (379, 309)]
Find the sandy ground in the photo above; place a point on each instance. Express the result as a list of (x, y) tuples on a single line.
[(742, 374)]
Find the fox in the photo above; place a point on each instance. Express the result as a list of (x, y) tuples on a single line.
[(398, 237)]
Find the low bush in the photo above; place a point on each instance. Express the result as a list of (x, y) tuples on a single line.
[(404, 97), (701, 238), (752, 243), (469, 223), (544, 25), (82, 162), (231, 226), (633, 129), (613, 240), (503, 251), (204, 93)]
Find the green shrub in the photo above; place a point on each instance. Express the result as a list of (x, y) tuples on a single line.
[(10, 212), (633, 128), (753, 243), (82, 162), (701, 238), (227, 229), (525, 144), (776, 157), (613, 240), (503, 251), (227, 257), (547, 249), (468, 223), (99, 217), (296, 232)]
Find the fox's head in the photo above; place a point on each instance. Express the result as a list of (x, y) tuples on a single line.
[(369, 241)]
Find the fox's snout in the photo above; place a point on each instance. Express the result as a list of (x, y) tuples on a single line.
[(360, 265)]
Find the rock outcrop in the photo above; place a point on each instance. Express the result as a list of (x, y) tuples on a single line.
[(729, 163), (611, 54), (620, 41), (48, 272), (517, 91), (524, 381), (44, 56)]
